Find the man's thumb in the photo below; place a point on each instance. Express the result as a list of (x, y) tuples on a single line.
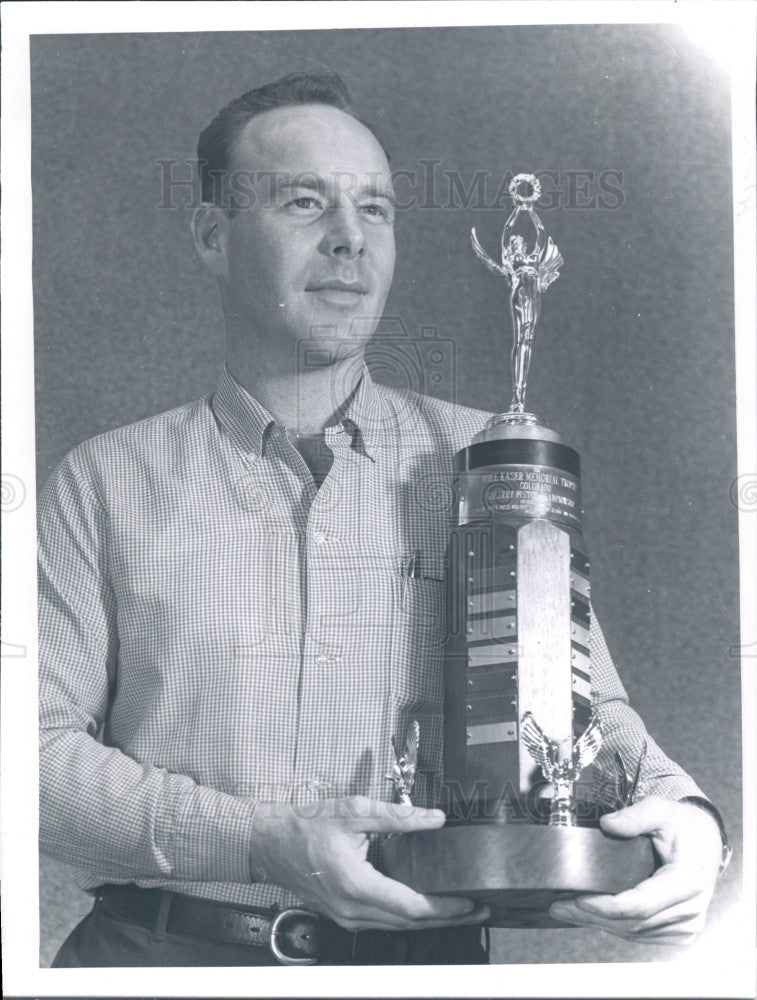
[(646, 816), (390, 817)]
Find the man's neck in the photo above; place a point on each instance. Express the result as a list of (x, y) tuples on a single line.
[(305, 401)]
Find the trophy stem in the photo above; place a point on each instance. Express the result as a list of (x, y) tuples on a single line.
[(562, 811), (516, 424)]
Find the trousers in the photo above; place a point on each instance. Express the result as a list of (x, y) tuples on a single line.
[(102, 940)]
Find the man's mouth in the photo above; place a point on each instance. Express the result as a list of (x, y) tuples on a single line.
[(339, 293), (338, 285)]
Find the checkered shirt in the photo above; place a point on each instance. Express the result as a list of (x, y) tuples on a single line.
[(217, 635)]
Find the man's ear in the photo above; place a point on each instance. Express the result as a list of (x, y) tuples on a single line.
[(209, 229)]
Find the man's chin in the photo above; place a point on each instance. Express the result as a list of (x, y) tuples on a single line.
[(342, 336), (332, 345)]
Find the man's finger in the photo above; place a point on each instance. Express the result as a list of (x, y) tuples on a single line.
[(679, 830), (688, 915), (679, 932), (374, 816), (676, 932), (379, 920), (646, 816), (368, 886), (668, 887), (680, 913)]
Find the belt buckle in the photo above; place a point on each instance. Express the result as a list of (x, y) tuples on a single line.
[(276, 924)]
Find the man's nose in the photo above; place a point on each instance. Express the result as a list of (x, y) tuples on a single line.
[(344, 236)]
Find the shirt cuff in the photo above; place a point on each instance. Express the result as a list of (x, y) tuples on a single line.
[(213, 838), (708, 807)]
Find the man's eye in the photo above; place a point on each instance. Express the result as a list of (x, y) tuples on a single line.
[(376, 211), (305, 202)]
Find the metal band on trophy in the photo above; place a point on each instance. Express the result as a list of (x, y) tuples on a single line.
[(517, 656)]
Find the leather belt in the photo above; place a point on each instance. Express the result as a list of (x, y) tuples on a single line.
[(294, 936)]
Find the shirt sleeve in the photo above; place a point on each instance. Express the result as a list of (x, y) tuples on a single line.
[(100, 809), (623, 730)]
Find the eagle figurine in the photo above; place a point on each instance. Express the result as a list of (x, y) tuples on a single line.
[(406, 764), (561, 773)]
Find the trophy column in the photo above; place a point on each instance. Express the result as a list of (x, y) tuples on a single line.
[(519, 612)]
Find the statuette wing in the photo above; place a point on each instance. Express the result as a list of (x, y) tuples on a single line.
[(587, 745), (549, 266), (541, 748), (628, 790), (409, 759), (406, 763)]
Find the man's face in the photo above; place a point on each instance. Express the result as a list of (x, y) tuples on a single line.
[(314, 253)]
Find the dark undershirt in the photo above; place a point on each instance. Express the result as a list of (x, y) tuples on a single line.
[(316, 454)]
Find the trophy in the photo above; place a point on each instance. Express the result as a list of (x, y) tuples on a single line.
[(519, 724)]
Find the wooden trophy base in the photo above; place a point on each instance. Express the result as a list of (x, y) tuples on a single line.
[(518, 869)]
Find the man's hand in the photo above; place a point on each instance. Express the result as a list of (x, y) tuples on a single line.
[(324, 861), (669, 907)]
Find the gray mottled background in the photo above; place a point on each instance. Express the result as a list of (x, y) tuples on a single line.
[(634, 358)]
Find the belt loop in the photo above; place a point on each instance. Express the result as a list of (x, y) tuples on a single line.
[(353, 949), (160, 932), (487, 941)]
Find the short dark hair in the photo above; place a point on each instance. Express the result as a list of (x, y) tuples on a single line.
[(216, 146)]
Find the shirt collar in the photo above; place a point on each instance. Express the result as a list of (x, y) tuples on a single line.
[(248, 423), (243, 418)]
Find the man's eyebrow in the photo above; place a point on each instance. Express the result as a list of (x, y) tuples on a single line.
[(312, 182), (374, 191)]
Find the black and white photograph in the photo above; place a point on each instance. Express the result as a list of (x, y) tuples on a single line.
[(389, 482)]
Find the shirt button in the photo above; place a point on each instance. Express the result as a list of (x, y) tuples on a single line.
[(320, 539), (313, 785), (321, 659)]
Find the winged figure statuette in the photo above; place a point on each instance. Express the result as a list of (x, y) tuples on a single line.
[(406, 764), (528, 272), (561, 772), (628, 790)]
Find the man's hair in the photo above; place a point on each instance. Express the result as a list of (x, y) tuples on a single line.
[(216, 146)]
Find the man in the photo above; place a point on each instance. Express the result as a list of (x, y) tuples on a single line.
[(228, 641)]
